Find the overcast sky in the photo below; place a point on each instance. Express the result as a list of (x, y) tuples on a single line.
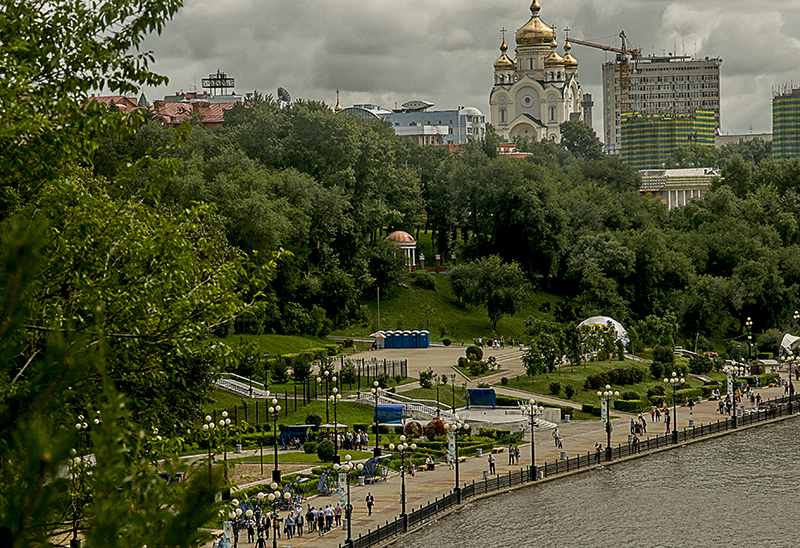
[(386, 52)]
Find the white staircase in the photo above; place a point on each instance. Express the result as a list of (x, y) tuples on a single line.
[(241, 386)]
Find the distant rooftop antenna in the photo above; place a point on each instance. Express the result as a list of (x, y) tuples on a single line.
[(218, 81), (283, 96)]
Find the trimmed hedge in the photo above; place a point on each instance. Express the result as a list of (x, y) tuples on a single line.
[(690, 393), (618, 375), (591, 409), (631, 406)]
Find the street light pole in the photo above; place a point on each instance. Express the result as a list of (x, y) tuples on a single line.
[(532, 412), (335, 398), (674, 381), (402, 448), (438, 380), (347, 467), (457, 428), (609, 396), (376, 391), (731, 371), (749, 325), (453, 388), (275, 412)]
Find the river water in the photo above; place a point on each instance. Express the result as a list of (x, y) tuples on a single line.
[(739, 490)]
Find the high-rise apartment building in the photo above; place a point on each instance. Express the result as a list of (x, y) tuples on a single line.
[(786, 124), (647, 140), (660, 86)]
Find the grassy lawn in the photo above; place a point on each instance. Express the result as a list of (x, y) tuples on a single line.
[(445, 396), (276, 345), (541, 383), (405, 308)]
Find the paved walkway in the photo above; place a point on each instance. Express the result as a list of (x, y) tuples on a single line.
[(578, 437)]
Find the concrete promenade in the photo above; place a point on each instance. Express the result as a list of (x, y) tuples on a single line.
[(578, 437)]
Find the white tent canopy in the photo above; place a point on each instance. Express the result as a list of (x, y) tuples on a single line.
[(789, 343), (620, 331)]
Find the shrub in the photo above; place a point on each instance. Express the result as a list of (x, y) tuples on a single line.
[(619, 375), (629, 395), (569, 391), (474, 353), (663, 354), (555, 388), (463, 362), (425, 378), (446, 342), (384, 380), (483, 385), (435, 428), (413, 429), (477, 368), (631, 406), (591, 409), (423, 279), (398, 378), (701, 364), (504, 381), (398, 430), (326, 450), (656, 390), (506, 401), (315, 419), (348, 373), (310, 447), (657, 370)]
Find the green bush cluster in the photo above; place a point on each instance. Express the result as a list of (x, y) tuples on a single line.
[(506, 401), (690, 393), (591, 409), (423, 279), (618, 375), (326, 450), (446, 342), (555, 388), (631, 406)]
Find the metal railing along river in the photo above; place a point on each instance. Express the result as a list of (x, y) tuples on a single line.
[(769, 409)]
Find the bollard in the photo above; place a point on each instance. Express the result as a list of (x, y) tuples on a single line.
[(691, 423), (563, 455), (566, 418), (238, 447), (361, 481)]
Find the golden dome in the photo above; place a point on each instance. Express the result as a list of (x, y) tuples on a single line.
[(504, 62), (554, 59), (569, 60), (338, 107), (535, 32)]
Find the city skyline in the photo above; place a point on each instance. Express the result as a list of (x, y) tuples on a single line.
[(391, 52)]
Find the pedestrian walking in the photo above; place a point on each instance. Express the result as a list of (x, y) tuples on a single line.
[(510, 454), (557, 437), (370, 502), (491, 464), (691, 407), (516, 453)]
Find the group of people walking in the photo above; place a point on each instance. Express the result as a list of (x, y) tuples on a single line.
[(351, 440), (323, 520)]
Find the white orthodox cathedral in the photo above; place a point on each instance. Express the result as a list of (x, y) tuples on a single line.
[(538, 89)]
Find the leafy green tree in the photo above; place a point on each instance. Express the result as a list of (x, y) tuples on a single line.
[(489, 282), (581, 140)]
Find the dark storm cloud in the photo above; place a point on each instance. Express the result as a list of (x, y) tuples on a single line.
[(385, 52)]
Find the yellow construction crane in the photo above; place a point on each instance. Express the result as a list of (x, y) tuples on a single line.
[(624, 68)]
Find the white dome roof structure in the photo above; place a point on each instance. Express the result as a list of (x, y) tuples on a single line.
[(602, 321), (789, 343)]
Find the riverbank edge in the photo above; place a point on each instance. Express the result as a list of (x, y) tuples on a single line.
[(643, 454)]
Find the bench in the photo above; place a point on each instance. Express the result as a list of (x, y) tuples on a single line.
[(498, 449)]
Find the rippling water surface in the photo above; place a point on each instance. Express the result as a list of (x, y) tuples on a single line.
[(739, 490)]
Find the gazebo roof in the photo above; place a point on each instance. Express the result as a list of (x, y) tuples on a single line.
[(400, 237)]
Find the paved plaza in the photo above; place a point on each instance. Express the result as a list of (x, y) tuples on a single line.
[(578, 437)]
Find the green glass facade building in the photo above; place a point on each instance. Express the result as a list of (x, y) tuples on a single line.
[(647, 140), (786, 125)]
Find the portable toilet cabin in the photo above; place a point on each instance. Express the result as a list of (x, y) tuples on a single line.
[(406, 339), (415, 339), (397, 339), (424, 339), (387, 339)]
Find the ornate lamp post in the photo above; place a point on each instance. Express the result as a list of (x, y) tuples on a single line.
[(275, 412), (608, 396), (402, 447), (335, 398), (749, 325), (675, 382), (328, 377), (732, 371), (76, 464), (533, 412), (209, 427), (274, 499), (347, 467), (453, 387), (376, 391), (457, 428), (438, 381)]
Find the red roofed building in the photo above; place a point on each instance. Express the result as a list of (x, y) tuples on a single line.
[(120, 102), (210, 110)]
